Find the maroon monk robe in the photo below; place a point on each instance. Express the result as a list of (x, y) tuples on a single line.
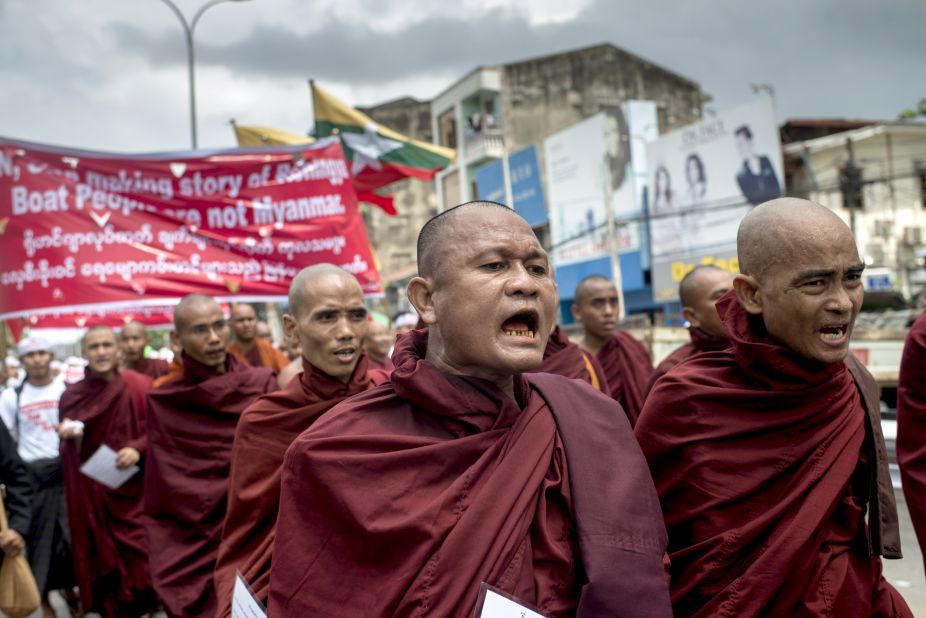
[(911, 426), (154, 368), (627, 367), (191, 428), (265, 431), (765, 463), (700, 342), (402, 499), (565, 358), (108, 540)]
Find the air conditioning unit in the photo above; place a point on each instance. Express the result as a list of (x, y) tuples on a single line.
[(875, 253), (913, 236)]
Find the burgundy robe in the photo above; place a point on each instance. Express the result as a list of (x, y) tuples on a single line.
[(565, 358), (700, 342), (911, 426), (766, 463), (108, 541), (154, 368), (401, 500), (265, 431), (191, 428), (627, 367)]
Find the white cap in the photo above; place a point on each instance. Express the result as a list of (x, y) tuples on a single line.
[(33, 344), (406, 320)]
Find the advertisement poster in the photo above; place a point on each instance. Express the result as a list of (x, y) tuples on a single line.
[(588, 164), (85, 230), (702, 180)]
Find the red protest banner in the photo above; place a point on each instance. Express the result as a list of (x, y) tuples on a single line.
[(84, 229)]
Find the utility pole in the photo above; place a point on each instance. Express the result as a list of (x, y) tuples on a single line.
[(850, 183)]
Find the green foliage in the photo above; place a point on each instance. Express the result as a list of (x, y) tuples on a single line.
[(913, 114)]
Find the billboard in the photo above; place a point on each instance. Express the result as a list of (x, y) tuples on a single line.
[(526, 187), (702, 180), (593, 166), (88, 229)]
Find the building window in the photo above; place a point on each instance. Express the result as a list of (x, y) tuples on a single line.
[(921, 177), (447, 125)]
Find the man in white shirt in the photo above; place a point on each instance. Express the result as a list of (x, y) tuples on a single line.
[(30, 412)]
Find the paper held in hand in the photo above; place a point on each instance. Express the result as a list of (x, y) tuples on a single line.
[(101, 467), (496, 604), (244, 605)]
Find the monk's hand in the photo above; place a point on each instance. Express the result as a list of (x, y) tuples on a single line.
[(69, 430), (126, 457), (11, 542)]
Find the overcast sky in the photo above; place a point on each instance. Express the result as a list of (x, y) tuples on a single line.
[(112, 74)]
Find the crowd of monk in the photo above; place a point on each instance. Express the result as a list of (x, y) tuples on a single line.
[(746, 475)]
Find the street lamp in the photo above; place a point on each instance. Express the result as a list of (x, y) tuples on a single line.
[(188, 29)]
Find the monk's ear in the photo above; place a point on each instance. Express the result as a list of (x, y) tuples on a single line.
[(689, 314), (289, 325), (573, 309), (420, 294), (175, 339), (747, 291)]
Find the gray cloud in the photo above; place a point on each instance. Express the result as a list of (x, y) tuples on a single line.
[(832, 57), (113, 75)]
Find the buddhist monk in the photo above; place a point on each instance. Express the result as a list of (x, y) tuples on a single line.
[(133, 340), (191, 422), (108, 540), (698, 292), (264, 332), (563, 357), (626, 363), (329, 319), (402, 500), (378, 343), (248, 346), (911, 426), (768, 455)]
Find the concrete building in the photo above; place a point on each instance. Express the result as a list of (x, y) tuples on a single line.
[(498, 109), (890, 224)]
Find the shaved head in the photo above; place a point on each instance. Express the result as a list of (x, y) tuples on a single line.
[(244, 309), (697, 277), (96, 329), (134, 328), (328, 318), (586, 285), (771, 232), (434, 233), (699, 292), (801, 272), (301, 285), (485, 289), (191, 306)]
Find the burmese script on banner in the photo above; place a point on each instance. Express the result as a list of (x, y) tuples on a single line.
[(86, 229)]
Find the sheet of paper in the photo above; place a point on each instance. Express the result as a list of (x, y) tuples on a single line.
[(244, 605), (101, 467), (497, 606)]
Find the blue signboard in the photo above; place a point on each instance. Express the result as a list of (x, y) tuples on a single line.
[(526, 188), (490, 182)]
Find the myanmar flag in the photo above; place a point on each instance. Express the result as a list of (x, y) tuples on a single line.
[(377, 155), (256, 135)]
